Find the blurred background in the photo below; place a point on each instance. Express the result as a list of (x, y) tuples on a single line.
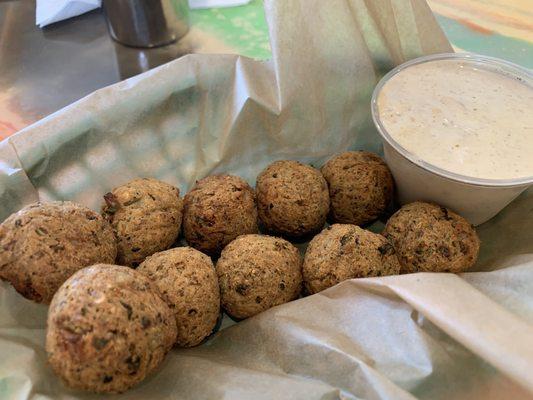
[(45, 69)]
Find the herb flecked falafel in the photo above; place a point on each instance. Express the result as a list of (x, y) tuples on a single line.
[(146, 217), (188, 282), (217, 210), (432, 238), (342, 252), (257, 272), (45, 243), (292, 199), (108, 328), (360, 187)]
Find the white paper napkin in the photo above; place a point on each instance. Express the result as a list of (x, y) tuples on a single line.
[(50, 11)]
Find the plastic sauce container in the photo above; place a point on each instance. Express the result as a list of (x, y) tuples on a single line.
[(475, 172)]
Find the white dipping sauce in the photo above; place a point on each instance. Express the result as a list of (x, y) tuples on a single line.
[(462, 118)]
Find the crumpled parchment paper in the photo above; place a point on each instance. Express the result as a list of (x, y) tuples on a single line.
[(427, 336)]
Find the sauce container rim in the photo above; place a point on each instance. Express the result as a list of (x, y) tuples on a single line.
[(495, 64)]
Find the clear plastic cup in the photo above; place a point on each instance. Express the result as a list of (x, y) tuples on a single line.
[(476, 199)]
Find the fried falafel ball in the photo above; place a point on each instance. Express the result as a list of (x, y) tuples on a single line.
[(360, 187), (292, 199), (431, 238), (342, 252), (108, 328), (217, 210), (43, 244), (188, 282), (146, 217), (257, 272)]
